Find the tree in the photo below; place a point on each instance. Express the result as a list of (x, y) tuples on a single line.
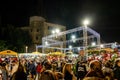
[(15, 38), (3, 45)]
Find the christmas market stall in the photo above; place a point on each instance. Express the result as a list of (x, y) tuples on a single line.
[(8, 53)]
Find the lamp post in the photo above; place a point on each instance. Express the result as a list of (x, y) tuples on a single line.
[(36, 48), (85, 42), (26, 49)]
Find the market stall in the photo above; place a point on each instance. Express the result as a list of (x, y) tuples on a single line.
[(57, 54), (8, 53), (32, 55)]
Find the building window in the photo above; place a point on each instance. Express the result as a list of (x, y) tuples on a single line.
[(37, 30), (50, 28), (31, 30), (36, 37)]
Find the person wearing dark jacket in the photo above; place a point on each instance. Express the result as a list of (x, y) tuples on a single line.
[(68, 73), (32, 69), (116, 70), (80, 70), (19, 74)]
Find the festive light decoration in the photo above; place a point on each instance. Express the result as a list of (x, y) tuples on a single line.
[(56, 42)]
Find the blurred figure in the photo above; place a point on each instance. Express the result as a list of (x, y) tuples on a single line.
[(59, 76), (19, 74), (11, 68), (82, 56), (47, 75), (117, 69), (4, 72), (46, 72), (62, 65), (95, 72), (0, 72), (46, 66), (32, 69), (38, 70), (68, 73), (108, 71), (80, 70)]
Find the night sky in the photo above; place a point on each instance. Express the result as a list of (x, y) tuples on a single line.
[(104, 15)]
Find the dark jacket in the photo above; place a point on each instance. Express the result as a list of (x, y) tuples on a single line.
[(81, 70), (19, 76), (117, 73), (68, 76), (32, 68)]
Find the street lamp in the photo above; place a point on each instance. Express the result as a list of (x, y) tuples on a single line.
[(36, 48), (86, 22), (26, 49)]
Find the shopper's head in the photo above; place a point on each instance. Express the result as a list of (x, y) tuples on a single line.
[(95, 65), (47, 65), (117, 62)]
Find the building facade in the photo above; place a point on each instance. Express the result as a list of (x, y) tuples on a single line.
[(38, 28)]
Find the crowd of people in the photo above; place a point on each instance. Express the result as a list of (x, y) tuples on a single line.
[(81, 69)]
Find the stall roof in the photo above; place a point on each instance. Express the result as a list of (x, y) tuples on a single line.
[(8, 52)]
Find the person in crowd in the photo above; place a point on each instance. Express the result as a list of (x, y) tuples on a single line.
[(59, 76), (47, 75), (19, 74), (46, 66), (1, 72), (4, 72), (116, 70), (46, 72), (11, 68), (107, 70), (54, 67), (95, 71), (38, 69), (80, 70), (82, 56), (68, 73), (62, 65), (32, 69)]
